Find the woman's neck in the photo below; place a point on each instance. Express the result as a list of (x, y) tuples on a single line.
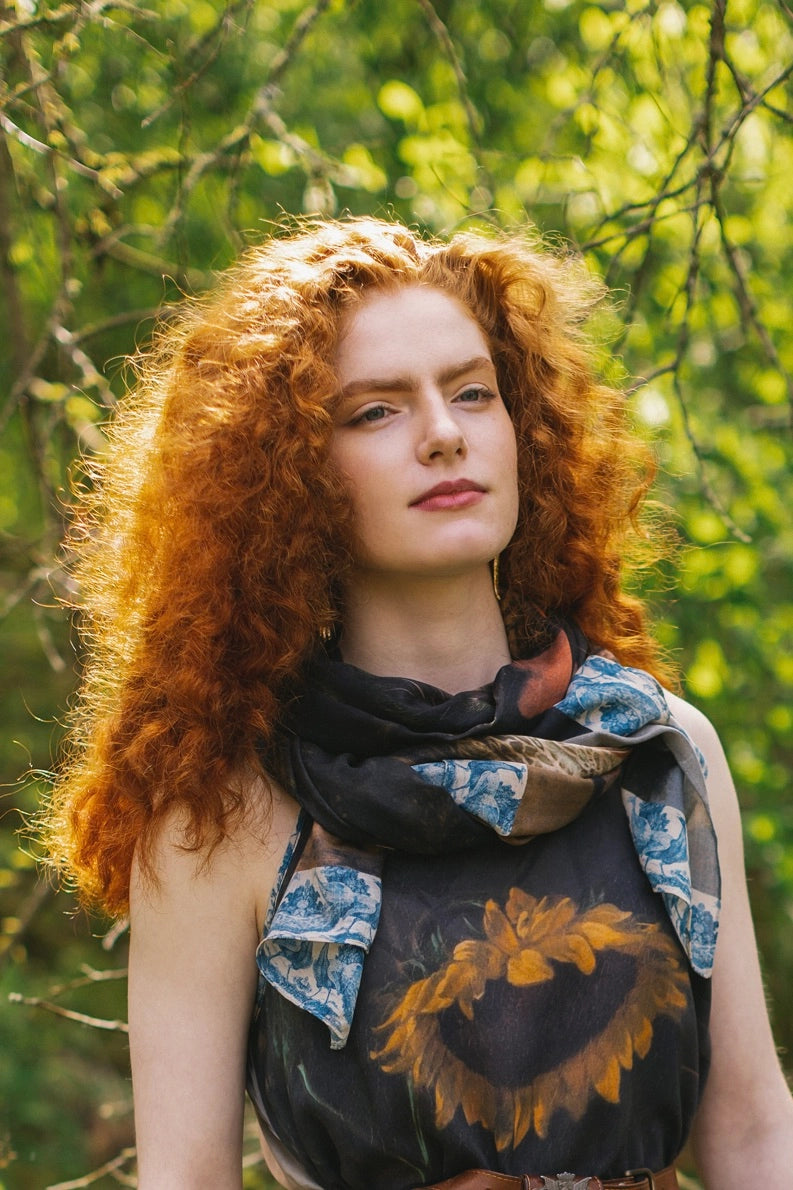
[(445, 632)]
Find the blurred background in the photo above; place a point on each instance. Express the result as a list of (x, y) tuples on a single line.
[(143, 145)]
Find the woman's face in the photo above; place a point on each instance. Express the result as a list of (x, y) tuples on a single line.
[(423, 435)]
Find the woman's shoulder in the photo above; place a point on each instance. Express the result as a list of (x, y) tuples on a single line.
[(722, 797), (694, 722), (241, 868)]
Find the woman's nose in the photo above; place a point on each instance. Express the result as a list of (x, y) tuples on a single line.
[(440, 432)]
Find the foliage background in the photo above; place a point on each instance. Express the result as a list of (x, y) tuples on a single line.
[(141, 147)]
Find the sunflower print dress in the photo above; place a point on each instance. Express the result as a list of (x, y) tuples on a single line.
[(521, 1009)]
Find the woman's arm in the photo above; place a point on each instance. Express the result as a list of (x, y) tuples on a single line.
[(743, 1132), (191, 988)]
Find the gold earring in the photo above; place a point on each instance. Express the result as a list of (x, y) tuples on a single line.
[(496, 591), (325, 632)]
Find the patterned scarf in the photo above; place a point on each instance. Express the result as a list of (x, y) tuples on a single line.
[(387, 763)]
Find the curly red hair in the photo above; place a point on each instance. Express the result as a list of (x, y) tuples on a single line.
[(215, 542)]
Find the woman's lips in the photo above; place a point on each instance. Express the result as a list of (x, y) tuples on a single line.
[(451, 495)]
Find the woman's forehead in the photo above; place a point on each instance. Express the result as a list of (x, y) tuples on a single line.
[(389, 328)]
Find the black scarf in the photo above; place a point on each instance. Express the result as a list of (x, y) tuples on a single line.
[(387, 763)]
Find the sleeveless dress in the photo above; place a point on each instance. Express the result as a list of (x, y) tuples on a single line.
[(524, 1009)]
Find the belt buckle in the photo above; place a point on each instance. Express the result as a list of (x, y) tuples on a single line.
[(565, 1181), (647, 1174)]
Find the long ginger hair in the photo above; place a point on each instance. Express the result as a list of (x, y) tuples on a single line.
[(213, 545)]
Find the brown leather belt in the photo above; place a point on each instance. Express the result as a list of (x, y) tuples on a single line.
[(483, 1179)]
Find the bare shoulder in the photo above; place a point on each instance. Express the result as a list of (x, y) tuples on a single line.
[(743, 1132), (721, 789), (696, 724), (196, 917), (242, 868)]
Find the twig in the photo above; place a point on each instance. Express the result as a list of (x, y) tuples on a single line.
[(110, 1167), (93, 1022), (21, 24), (747, 305), (116, 931), (146, 262), (15, 310), (37, 146), (642, 381), (301, 27), (116, 320), (66, 13), (91, 975), (442, 34), (90, 375), (37, 897), (35, 355), (48, 646)]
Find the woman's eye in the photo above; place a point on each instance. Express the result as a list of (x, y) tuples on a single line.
[(373, 414), (474, 394)]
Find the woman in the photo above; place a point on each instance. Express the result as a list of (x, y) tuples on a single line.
[(487, 892)]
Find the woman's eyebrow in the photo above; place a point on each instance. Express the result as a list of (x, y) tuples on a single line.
[(400, 384)]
